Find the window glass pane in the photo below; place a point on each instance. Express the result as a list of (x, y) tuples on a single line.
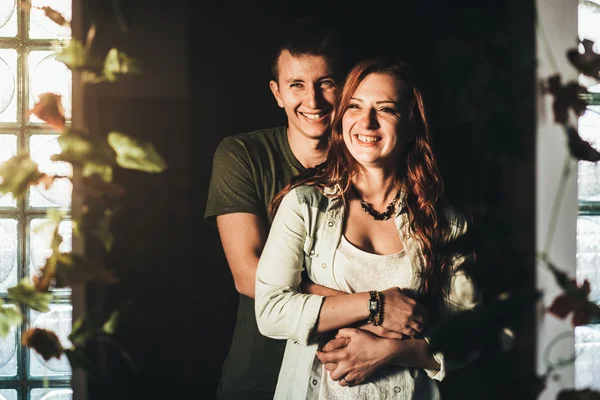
[(8, 394), (48, 75), (8, 18), (8, 253), (588, 180), (42, 147), (40, 236), (58, 320), (8, 149), (51, 394), (589, 20), (8, 85), (587, 364), (41, 27), (9, 354), (588, 253)]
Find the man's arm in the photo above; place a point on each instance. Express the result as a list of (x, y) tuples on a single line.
[(243, 236)]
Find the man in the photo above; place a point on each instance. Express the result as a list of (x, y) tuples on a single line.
[(249, 169)]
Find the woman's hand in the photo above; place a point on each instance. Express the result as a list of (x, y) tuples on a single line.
[(354, 354), (403, 314)]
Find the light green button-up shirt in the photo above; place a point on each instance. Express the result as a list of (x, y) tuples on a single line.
[(305, 234)]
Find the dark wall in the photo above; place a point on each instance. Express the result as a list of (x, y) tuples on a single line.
[(207, 77)]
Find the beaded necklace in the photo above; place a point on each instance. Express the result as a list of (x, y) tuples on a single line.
[(377, 216)]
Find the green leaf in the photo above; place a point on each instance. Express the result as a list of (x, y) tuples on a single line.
[(72, 269), (110, 326), (105, 172), (48, 230), (82, 331), (10, 316), (135, 154), (78, 149), (17, 174), (117, 64), (76, 56), (26, 294)]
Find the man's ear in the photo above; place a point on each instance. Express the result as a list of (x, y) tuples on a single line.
[(275, 90)]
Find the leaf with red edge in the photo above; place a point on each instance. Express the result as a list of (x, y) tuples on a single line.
[(581, 316), (579, 148), (49, 109), (44, 342), (561, 306), (587, 62), (566, 97), (575, 300), (55, 16)]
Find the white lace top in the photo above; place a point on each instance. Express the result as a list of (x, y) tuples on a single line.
[(356, 270)]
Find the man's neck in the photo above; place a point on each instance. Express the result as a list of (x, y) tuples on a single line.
[(309, 152)]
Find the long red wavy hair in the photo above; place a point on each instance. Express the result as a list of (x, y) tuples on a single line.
[(417, 171)]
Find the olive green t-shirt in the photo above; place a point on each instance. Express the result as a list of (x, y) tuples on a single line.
[(249, 169)]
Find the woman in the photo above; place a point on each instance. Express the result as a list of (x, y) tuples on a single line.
[(387, 262)]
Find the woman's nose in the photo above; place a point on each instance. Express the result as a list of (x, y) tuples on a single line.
[(369, 119)]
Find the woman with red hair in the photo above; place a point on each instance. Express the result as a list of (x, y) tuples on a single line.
[(393, 283)]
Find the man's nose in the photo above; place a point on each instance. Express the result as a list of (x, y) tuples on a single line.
[(313, 97)]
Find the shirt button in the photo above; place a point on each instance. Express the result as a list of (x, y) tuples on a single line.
[(397, 389), (314, 382), (323, 265), (312, 252), (330, 223)]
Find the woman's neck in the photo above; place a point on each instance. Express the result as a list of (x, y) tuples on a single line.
[(376, 186)]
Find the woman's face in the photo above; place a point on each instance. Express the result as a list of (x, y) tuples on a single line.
[(371, 125)]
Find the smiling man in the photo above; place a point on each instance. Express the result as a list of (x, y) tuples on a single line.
[(249, 169)]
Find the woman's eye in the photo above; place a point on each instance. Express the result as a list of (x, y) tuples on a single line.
[(387, 110), (352, 106)]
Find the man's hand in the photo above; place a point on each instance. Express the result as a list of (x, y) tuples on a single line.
[(403, 314), (380, 331), (355, 355)]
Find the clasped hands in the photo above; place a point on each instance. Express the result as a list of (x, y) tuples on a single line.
[(356, 353)]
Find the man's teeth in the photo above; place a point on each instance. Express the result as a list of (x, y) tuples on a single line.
[(363, 138), (313, 116)]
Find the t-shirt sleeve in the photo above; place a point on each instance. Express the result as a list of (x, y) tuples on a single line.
[(232, 186)]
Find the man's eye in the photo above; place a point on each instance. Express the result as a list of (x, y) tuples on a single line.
[(296, 85), (328, 83)]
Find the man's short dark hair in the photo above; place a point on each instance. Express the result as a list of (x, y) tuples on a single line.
[(309, 36)]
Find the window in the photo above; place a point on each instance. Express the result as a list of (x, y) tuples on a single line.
[(27, 69), (587, 338)]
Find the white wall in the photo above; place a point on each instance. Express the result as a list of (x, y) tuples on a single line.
[(557, 21)]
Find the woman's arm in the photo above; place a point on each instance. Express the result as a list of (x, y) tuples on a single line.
[(282, 312)]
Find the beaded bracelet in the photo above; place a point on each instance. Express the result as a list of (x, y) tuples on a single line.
[(375, 308)]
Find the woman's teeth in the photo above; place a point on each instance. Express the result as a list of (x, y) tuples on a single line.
[(369, 139)]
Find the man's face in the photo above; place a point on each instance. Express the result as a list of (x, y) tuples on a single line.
[(307, 92)]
